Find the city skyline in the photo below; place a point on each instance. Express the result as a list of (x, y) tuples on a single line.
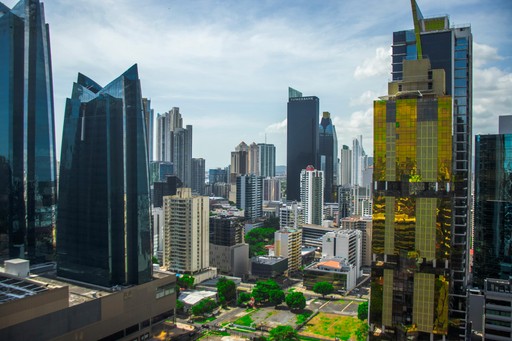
[(336, 51)]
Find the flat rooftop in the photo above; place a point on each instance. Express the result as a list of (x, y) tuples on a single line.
[(13, 288)]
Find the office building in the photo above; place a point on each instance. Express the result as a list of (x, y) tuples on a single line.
[(158, 171), (493, 208), (328, 156), (198, 175), (363, 224), (291, 215), (46, 308), (288, 243), (345, 202), (497, 320), (239, 161), (183, 154), (267, 160), (253, 159), (186, 232), (217, 175), (358, 161), (228, 251), (312, 195), (312, 235), (344, 244), (271, 189), (337, 271), (165, 188), (345, 166), (266, 267), (104, 209), (166, 124), (28, 183), (148, 119), (249, 191), (301, 139)]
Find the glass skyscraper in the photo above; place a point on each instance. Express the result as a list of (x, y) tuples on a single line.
[(328, 151), (301, 139), (493, 208), (28, 188), (422, 148), (104, 215)]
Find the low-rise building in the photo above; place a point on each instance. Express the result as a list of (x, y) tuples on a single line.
[(338, 272), (268, 266)]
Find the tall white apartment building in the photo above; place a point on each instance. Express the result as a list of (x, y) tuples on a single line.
[(312, 195)]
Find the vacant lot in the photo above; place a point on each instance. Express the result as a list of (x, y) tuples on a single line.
[(332, 325)]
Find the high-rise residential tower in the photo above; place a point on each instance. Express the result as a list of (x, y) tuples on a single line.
[(312, 195), (253, 159), (166, 124), (267, 160), (493, 207), (249, 195), (104, 215), (182, 155), (328, 156), (186, 232), (28, 187), (239, 161), (301, 139), (345, 166), (358, 161), (198, 175)]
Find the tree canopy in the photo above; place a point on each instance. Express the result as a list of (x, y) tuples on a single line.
[(323, 288), (295, 300), (267, 291), (226, 289), (206, 306), (257, 238), (362, 311), (243, 298), (283, 333), (185, 281)]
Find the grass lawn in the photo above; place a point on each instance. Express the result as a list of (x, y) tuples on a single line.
[(205, 320), (332, 325), (245, 320)]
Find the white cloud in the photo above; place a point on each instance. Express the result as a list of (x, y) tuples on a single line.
[(365, 98), (277, 128), (375, 66), (483, 54)]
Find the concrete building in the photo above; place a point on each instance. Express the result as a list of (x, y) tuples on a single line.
[(363, 224), (312, 195), (198, 176), (186, 232), (288, 243), (44, 308), (344, 244), (312, 234), (291, 215), (249, 190), (345, 166), (271, 189), (268, 266), (239, 162), (166, 124), (341, 274), (183, 154), (497, 302), (253, 159), (267, 160)]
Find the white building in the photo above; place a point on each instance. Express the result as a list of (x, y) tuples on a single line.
[(291, 215), (312, 194), (344, 244), (186, 232)]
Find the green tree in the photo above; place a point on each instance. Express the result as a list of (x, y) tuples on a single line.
[(272, 222), (283, 333), (262, 289), (276, 297), (243, 298), (362, 332), (257, 238), (204, 307), (179, 305), (154, 259), (323, 288), (295, 301), (186, 281), (226, 289), (362, 311)]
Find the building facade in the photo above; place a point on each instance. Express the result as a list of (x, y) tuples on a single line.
[(149, 120), (249, 191), (271, 189), (312, 195), (166, 124), (288, 243), (301, 139), (183, 154), (344, 244), (345, 166), (267, 160), (186, 232), (198, 175), (328, 156), (493, 208), (28, 176), (104, 212)]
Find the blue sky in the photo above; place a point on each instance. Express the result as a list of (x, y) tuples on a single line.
[(228, 64)]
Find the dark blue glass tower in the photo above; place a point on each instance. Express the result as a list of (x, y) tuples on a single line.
[(104, 216), (328, 151), (28, 189), (301, 139), (493, 208)]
